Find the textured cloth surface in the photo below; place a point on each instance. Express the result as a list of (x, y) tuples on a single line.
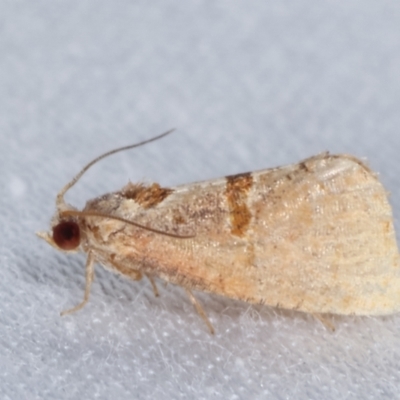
[(248, 86)]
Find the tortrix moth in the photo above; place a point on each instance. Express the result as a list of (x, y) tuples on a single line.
[(316, 236)]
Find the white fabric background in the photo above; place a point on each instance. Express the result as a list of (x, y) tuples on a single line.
[(249, 86)]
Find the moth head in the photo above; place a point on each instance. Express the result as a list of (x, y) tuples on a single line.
[(65, 234)]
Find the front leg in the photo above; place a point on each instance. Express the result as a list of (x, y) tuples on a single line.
[(88, 284)]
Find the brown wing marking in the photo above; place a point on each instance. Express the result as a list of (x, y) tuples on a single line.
[(146, 196), (237, 191)]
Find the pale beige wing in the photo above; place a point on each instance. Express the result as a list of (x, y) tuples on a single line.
[(315, 236)]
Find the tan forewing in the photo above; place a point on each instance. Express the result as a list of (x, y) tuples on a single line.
[(315, 236)]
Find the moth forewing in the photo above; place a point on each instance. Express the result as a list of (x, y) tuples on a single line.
[(312, 236), (316, 236)]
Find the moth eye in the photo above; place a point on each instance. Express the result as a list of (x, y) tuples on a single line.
[(67, 235)]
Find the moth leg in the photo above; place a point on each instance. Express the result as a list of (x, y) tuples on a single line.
[(89, 279), (200, 310), (325, 321), (153, 284)]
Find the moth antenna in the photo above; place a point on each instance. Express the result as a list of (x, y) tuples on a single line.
[(60, 195), (116, 218)]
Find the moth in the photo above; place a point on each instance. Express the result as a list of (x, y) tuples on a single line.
[(316, 236)]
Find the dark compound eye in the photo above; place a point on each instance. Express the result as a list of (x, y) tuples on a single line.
[(66, 235)]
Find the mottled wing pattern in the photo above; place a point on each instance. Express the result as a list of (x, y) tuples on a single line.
[(315, 236)]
